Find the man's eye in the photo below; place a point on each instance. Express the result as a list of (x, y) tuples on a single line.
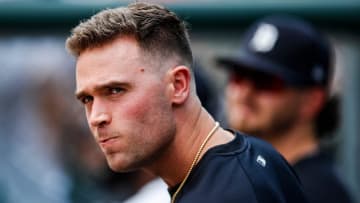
[(86, 99), (115, 90)]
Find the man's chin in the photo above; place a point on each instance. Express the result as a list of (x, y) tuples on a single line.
[(122, 166)]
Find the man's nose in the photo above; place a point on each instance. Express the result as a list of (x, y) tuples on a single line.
[(99, 115)]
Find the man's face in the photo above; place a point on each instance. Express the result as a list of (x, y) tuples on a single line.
[(260, 104), (125, 102)]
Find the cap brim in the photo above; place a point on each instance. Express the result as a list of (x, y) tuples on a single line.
[(255, 63)]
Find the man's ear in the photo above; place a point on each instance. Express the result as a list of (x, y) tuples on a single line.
[(180, 78), (313, 101)]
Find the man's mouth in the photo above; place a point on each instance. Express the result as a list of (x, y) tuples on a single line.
[(107, 140)]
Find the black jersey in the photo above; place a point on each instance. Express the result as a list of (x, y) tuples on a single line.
[(245, 170), (321, 179)]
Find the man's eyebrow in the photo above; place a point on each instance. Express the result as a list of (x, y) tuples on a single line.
[(100, 87), (79, 94)]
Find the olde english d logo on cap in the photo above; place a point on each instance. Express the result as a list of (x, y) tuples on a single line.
[(264, 38)]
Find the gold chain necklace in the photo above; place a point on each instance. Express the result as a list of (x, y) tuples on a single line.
[(196, 159)]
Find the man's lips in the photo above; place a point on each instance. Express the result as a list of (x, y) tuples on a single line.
[(107, 139)]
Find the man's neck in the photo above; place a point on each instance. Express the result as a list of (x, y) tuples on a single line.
[(191, 133), (295, 143)]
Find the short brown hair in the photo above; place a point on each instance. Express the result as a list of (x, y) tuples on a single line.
[(157, 30)]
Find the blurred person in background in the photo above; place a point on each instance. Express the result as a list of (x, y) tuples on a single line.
[(134, 78), (279, 90)]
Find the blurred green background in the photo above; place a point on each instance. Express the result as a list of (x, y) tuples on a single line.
[(40, 139)]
